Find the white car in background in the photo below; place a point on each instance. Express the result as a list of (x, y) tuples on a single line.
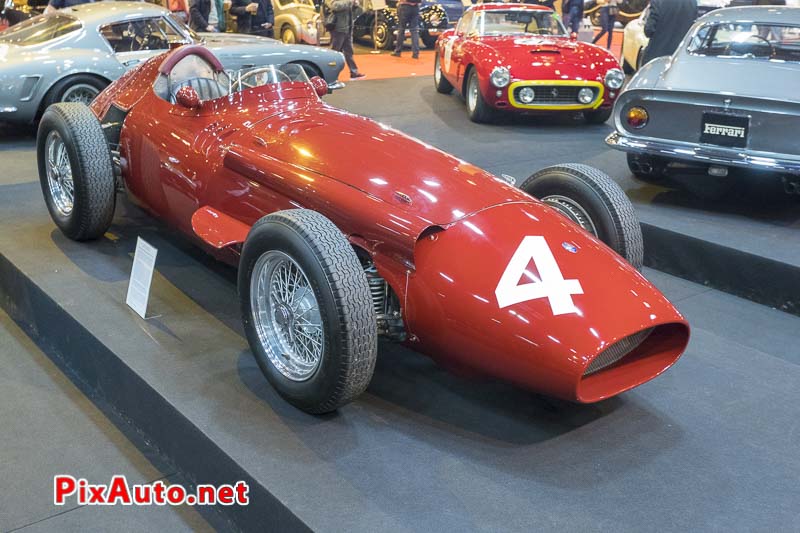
[(634, 41)]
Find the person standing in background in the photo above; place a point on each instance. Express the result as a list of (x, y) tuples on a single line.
[(408, 16), (345, 13), (572, 12), (254, 16), (208, 15), (608, 17), (179, 9), (668, 22)]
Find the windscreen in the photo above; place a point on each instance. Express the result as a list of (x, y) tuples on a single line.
[(496, 22), (40, 29), (267, 75), (748, 40)]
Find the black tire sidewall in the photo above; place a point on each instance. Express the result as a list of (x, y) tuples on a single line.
[(280, 237), (443, 86), (58, 90), (565, 184), (482, 112), (70, 225)]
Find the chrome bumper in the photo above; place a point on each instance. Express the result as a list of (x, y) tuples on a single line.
[(706, 155)]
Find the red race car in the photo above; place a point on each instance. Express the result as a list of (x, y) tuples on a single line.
[(519, 57), (345, 230)]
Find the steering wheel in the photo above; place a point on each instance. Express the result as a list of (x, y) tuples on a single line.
[(732, 45), (242, 82)]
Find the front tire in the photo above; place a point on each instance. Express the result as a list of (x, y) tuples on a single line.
[(598, 116), (307, 310), (76, 171), (439, 80), (595, 202), (477, 108)]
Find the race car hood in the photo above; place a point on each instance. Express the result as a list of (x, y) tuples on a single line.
[(409, 174), (520, 292), (735, 77), (546, 57)]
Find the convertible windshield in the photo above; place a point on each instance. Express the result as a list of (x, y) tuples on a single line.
[(39, 30), (268, 75), (496, 22), (748, 40)]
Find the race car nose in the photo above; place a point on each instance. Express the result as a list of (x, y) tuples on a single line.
[(519, 292)]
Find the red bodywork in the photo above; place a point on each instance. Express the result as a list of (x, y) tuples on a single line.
[(543, 62), (440, 231)]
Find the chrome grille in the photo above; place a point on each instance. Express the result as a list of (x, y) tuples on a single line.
[(555, 94), (617, 351)]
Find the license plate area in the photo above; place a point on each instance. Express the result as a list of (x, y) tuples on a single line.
[(725, 129)]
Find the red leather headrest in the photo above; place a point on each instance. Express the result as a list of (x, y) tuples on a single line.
[(187, 50)]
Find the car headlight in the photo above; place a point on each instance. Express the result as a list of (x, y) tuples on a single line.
[(500, 77), (615, 78), (527, 95), (586, 95)]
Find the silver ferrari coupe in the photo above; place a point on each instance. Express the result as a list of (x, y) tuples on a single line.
[(728, 98), (72, 54)]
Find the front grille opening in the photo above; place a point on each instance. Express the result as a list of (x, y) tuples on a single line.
[(617, 351), (556, 94), (632, 361)]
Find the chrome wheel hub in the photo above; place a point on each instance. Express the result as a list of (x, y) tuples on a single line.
[(472, 94), (286, 316), (572, 210), (59, 174), (81, 93)]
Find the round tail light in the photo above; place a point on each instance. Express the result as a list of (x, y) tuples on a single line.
[(637, 117)]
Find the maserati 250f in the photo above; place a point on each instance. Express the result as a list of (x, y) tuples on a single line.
[(519, 57), (344, 229)]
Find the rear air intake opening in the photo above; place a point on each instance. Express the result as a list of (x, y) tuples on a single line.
[(632, 361)]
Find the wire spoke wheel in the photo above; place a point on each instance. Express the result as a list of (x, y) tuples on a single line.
[(572, 210), (286, 316), (59, 174), (472, 93), (82, 93)]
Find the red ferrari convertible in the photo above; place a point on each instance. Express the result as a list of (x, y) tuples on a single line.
[(519, 57), (345, 230)]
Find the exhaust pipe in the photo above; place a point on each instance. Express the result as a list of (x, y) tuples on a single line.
[(642, 167)]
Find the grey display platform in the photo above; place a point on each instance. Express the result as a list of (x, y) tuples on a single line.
[(745, 244), (709, 445)]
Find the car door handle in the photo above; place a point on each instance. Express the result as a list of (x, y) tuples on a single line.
[(131, 62)]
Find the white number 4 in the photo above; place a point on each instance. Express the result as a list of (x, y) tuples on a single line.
[(549, 284)]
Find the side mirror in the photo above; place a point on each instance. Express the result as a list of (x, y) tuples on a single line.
[(187, 97), (320, 86)]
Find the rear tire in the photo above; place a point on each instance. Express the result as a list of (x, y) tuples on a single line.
[(76, 171), (317, 367), (80, 88), (439, 80), (429, 41), (595, 202), (288, 35), (383, 36), (477, 108)]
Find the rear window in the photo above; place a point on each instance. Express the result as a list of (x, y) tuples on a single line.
[(779, 42), (40, 30)]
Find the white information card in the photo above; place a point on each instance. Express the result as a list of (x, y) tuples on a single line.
[(144, 262)]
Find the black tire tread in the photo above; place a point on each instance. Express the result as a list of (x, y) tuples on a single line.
[(351, 293), (597, 116), (482, 113), (95, 197), (443, 86), (625, 219)]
